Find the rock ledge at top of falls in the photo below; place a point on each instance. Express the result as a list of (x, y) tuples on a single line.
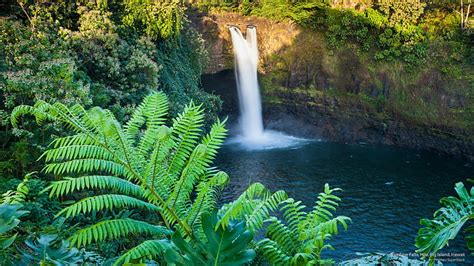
[(214, 27)]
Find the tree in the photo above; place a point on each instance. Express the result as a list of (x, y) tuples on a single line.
[(462, 7), (464, 11)]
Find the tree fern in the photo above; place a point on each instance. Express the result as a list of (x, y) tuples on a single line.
[(300, 237), (144, 164)]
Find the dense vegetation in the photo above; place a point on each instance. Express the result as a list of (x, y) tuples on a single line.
[(109, 141), (103, 54)]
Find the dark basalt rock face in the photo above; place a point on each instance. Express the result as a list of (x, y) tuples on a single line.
[(352, 122)]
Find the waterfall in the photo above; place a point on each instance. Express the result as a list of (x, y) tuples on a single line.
[(253, 136), (246, 63)]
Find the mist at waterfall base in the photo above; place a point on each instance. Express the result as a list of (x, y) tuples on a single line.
[(252, 135)]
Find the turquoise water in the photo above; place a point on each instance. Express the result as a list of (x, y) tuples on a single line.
[(386, 190)]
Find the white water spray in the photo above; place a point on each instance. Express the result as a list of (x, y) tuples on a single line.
[(246, 63), (251, 123)]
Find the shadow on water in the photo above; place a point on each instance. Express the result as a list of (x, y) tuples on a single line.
[(386, 190)]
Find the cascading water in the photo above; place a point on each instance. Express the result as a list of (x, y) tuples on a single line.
[(246, 62), (253, 136)]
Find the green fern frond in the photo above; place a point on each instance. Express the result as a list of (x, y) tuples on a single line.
[(186, 131), (301, 237), (155, 109), (149, 249), (271, 251), (214, 140), (193, 168), (154, 173), (280, 234), (206, 199), (254, 205), (77, 152), (114, 229), (88, 166), (199, 161), (38, 111), (152, 111), (18, 196), (105, 202), (264, 208), (329, 227), (69, 185), (293, 213), (78, 139), (326, 203)]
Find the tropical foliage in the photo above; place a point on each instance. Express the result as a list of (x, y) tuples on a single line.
[(447, 223), (167, 172), (9, 217), (223, 246), (154, 169), (47, 250), (300, 237), (129, 137)]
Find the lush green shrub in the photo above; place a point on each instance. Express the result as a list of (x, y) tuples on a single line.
[(34, 66), (401, 12), (184, 60), (157, 19), (121, 72), (76, 52)]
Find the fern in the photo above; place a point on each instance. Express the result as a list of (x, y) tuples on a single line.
[(254, 206), (18, 196), (300, 238), (102, 202), (69, 185), (150, 249), (114, 229), (144, 164)]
